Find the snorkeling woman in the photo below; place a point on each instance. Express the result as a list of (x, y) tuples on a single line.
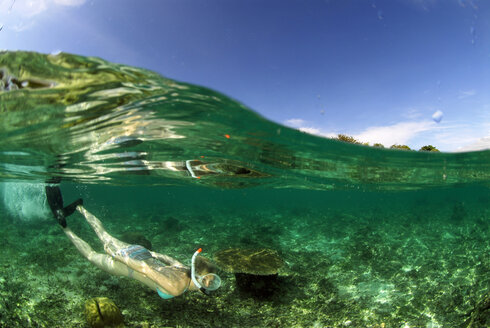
[(163, 274)]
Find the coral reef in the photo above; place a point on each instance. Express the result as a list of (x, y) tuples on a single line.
[(101, 312)]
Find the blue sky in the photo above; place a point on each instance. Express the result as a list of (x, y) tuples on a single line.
[(377, 70)]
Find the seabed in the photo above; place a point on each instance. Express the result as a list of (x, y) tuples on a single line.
[(369, 269)]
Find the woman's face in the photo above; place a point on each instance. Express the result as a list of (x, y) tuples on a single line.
[(210, 281), (207, 279)]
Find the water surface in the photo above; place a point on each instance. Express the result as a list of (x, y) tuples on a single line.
[(370, 237)]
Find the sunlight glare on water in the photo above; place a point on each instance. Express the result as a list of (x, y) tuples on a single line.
[(87, 120)]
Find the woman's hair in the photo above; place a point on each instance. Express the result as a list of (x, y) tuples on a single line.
[(204, 265)]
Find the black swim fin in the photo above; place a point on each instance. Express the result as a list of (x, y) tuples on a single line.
[(55, 201), (68, 210)]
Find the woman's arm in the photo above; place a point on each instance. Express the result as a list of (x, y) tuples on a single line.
[(138, 270), (102, 261)]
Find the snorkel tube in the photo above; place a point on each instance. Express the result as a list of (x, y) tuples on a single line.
[(191, 171), (193, 272), (216, 280)]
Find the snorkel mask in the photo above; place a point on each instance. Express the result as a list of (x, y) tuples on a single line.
[(215, 280)]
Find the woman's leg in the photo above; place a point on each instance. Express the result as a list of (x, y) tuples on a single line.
[(106, 262), (102, 261), (111, 244)]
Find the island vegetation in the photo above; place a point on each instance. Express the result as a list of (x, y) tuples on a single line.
[(350, 139)]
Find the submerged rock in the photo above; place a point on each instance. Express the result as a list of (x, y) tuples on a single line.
[(101, 312), (459, 212), (256, 271), (249, 261), (171, 224)]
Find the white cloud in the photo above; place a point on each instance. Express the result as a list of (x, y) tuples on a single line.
[(448, 136), (21, 26), (473, 137), (468, 3), (466, 93), (19, 15), (310, 130), (295, 122), (304, 126), (318, 132), (480, 144), (412, 114), (427, 5), (28, 8), (72, 3), (399, 133)]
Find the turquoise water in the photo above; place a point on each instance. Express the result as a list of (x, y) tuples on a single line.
[(369, 237)]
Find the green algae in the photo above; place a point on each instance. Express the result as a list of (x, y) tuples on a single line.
[(343, 267)]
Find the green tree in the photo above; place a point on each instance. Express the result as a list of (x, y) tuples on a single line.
[(429, 148), (378, 145), (346, 138), (402, 147)]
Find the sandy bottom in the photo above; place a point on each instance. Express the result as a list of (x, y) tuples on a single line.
[(341, 270)]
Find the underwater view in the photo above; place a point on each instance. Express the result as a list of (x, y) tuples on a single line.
[(303, 231)]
